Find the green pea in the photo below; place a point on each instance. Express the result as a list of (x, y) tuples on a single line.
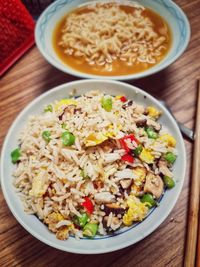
[(83, 219), (90, 229), (169, 182), (106, 103), (170, 157), (48, 108), (151, 133), (15, 155), (137, 151), (68, 139), (148, 198), (46, 135)]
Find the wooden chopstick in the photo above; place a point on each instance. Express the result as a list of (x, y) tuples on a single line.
[(193, 213), (198, 245)]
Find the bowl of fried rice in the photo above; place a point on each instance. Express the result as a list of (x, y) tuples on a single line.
[(92, 166)]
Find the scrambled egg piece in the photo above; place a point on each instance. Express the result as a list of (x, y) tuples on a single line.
[(169, 139), (119, 127), (136, 212), (146, 156), (95, 139), (52, 219), (118, 97), (38, 186), (64, 102), (136, 190), (140, 173), (116, 113), (113, 132), (62, 233), (153, 112)]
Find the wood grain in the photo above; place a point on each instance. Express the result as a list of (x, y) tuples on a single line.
[(30, 77), (192, 229), (198, 244)]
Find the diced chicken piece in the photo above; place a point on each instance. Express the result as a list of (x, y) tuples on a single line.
[(114, 208), (162, 164), (115, 223), (154, 185), (104, 197), (126, 183), (139, 109), (126, 173), (111, 157), (157, 126)]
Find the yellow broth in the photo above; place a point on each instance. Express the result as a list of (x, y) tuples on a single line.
[(118, 67)]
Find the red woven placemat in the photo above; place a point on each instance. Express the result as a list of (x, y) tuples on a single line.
[(16, 32)]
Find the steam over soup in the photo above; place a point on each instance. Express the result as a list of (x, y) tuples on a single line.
[(112, 39)]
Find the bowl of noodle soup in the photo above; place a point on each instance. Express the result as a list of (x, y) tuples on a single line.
[(112, 39)]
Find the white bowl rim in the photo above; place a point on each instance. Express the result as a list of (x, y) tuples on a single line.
[(117, 246), (67, 69)]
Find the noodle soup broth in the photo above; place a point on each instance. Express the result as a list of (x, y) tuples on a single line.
[(112, 39)]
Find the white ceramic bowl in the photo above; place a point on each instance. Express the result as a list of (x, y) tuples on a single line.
[(127, 236), (166, 8)]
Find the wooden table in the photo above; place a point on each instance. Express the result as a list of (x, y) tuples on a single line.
[(30, 77)]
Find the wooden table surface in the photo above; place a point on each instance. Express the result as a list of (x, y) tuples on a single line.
[(32, 76)]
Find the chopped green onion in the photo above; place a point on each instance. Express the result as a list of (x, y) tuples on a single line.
[(15, 155), (106, 103), (137, 151), (46, 135), (90, 229), (151, 133), (169, 182), (148, 198), (170, 157), (84, 174), (64, 126), (68, 139), (48, 108), (83, 219)]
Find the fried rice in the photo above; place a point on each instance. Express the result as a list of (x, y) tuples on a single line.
[(94, 164)]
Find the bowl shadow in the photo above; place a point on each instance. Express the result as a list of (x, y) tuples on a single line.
[(155, 85)]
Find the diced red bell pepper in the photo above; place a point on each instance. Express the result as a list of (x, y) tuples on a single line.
[(123, 98), (127, 157), (123, 141), (88, 205)]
